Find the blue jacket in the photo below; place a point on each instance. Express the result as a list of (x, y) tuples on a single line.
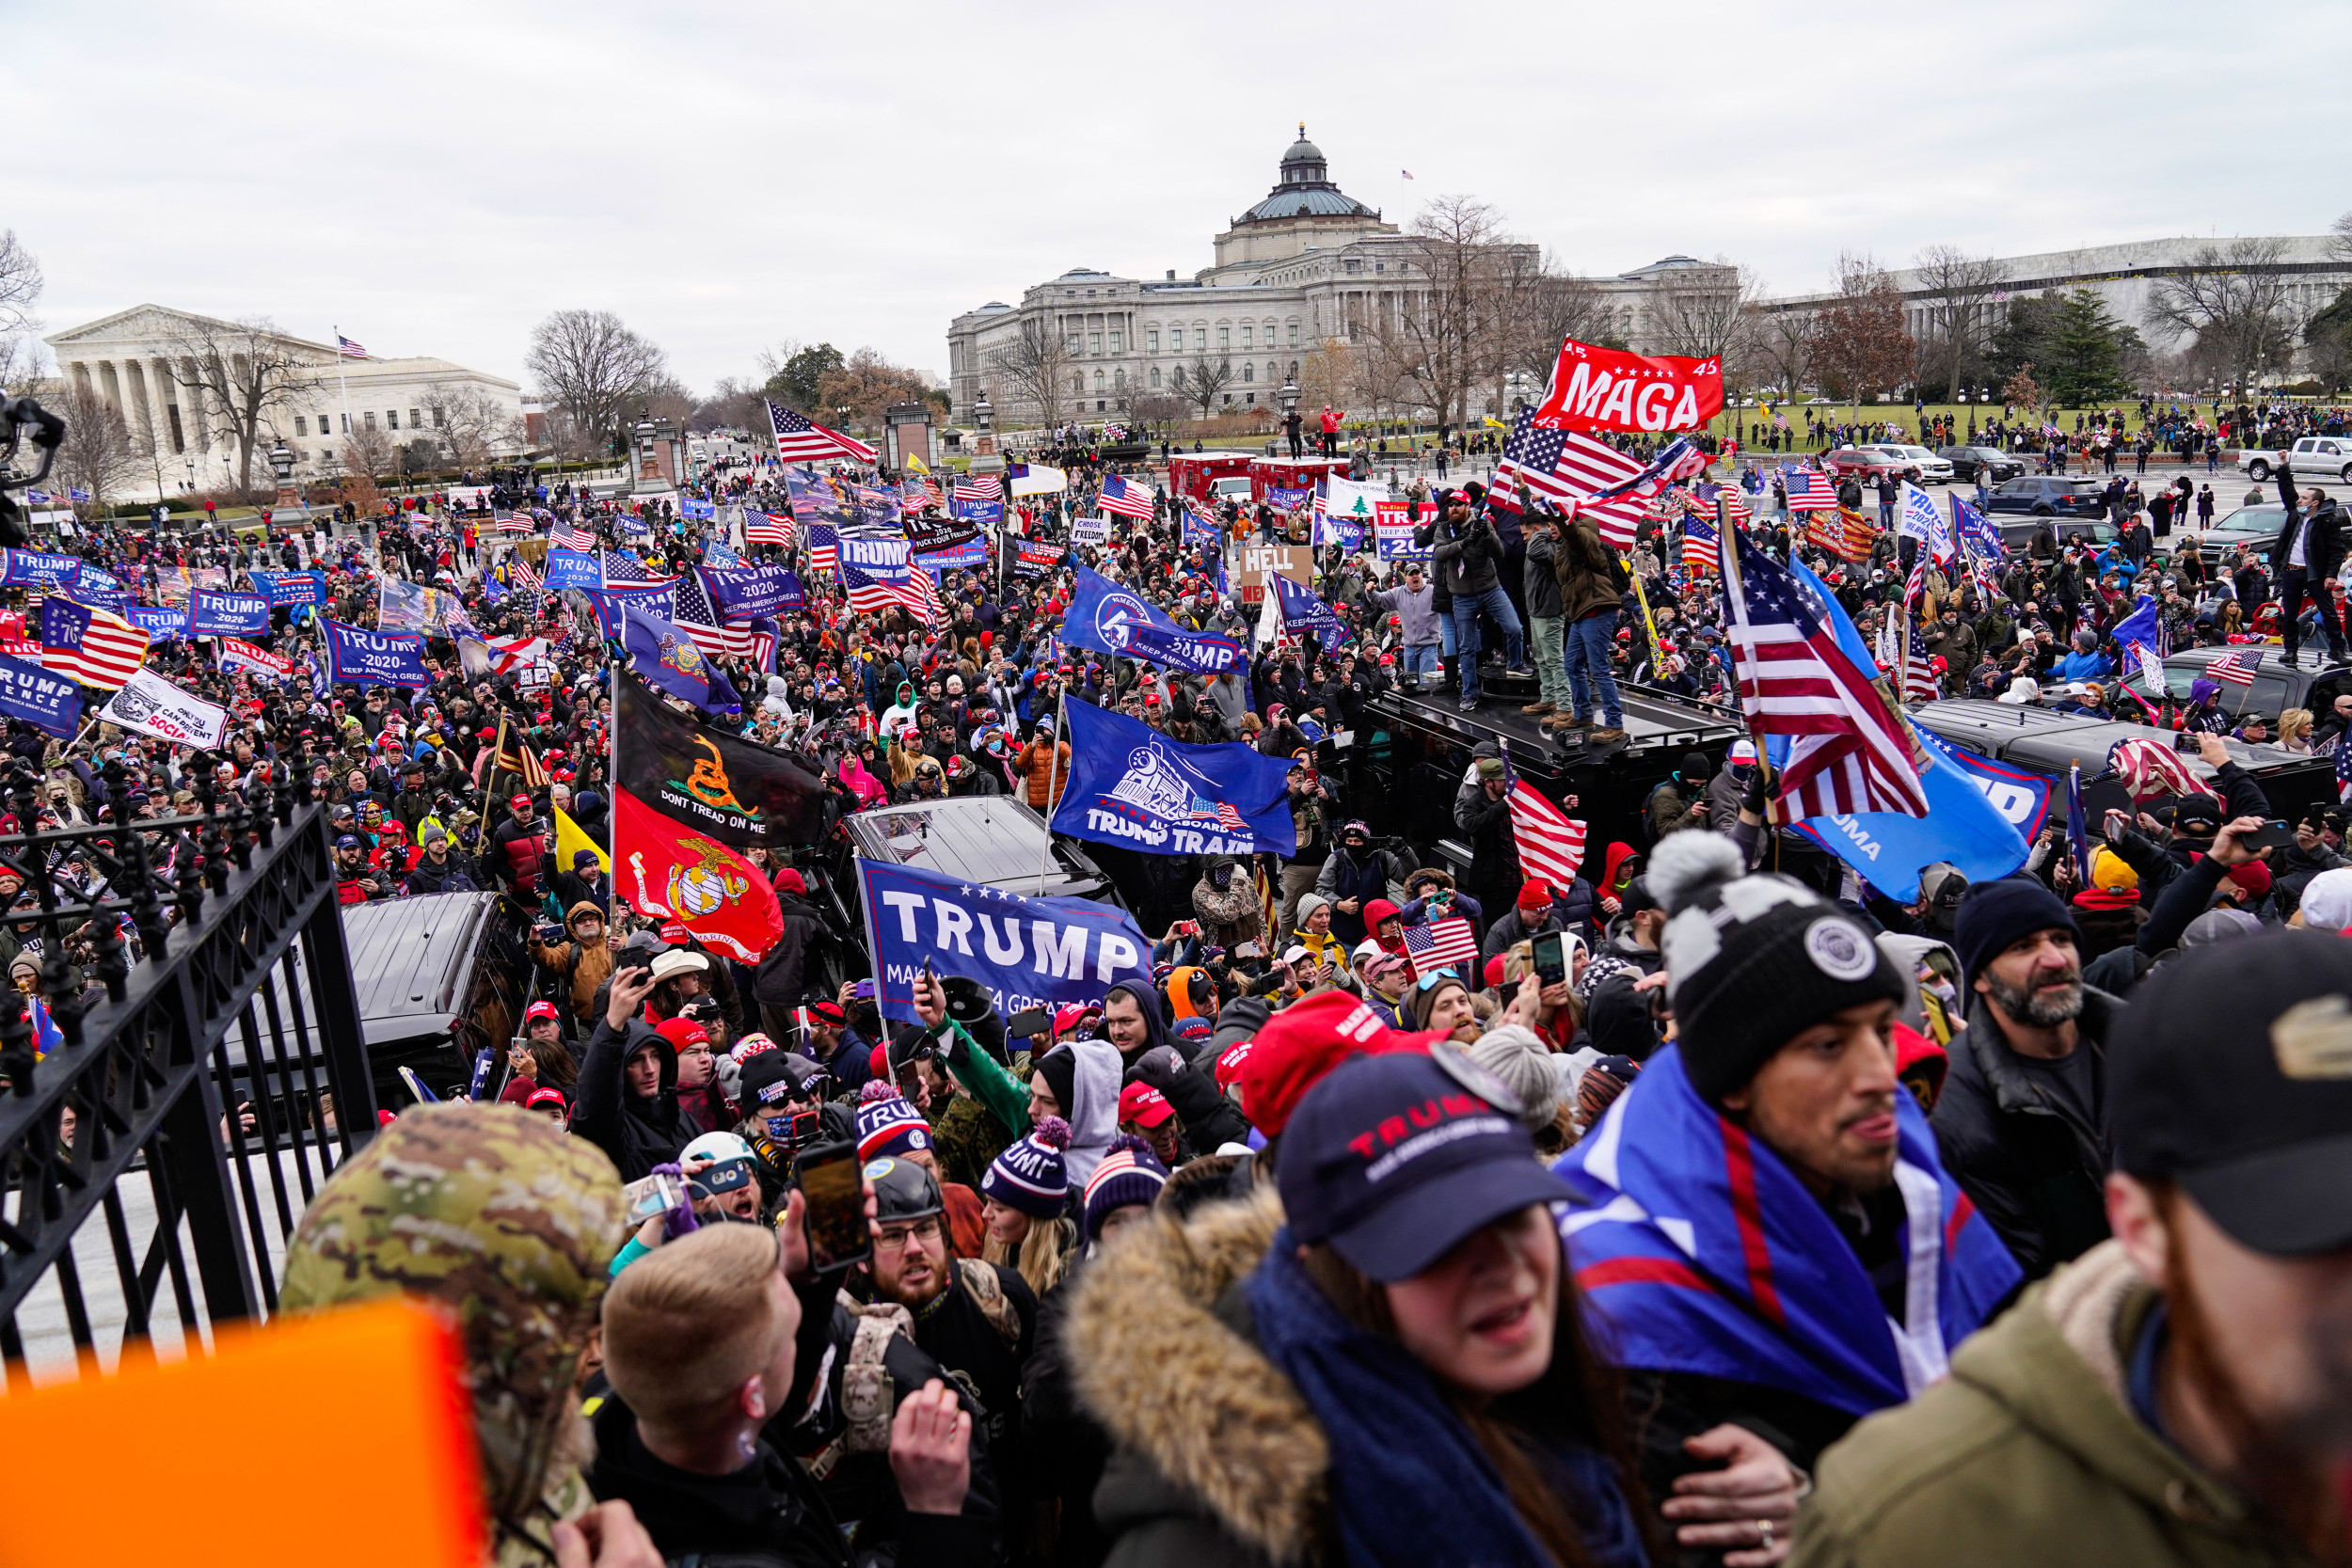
[(2092, 666)]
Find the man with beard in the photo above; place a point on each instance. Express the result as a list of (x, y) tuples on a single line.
[(2183, 1393), (2022, 1120)]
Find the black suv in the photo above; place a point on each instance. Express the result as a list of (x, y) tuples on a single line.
[(2048, 496), (1996, 463)]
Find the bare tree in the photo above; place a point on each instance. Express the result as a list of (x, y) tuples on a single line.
[(1037, 364), (1701, 312), (1204, 381), (99, 455), (1859, 338), (1960, 289), (246, 372), (592, 364), (20, 290), (734, 404), (2339, 238), (368, 450), (2233, 300), (1537, 305), (1784, 342), (1447, 328), (471, 421)]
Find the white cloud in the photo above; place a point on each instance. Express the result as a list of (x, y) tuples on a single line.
[(434, 177)]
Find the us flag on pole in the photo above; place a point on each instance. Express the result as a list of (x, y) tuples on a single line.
[(1699, 547), (692, 612), (570, 536), (872, 596), (768, 527), (1918, 673), (1127, 499), (1550, 843), (979, 489), (1848, 752), (1433, 945), (515, 522), (528, 579), (800, 441), (1809, 491), (824, 548), (347, 349), (2236, 667)]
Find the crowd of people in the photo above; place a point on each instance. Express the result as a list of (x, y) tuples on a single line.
[(1709, 1212)]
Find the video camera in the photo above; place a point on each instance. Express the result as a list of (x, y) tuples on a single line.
[(18, 416)]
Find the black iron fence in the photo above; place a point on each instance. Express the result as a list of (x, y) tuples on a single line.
[(155, 1155)]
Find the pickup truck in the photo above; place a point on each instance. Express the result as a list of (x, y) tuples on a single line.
[(2313, 456)]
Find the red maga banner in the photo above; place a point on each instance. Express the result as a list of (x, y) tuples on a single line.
[(1606, 390)]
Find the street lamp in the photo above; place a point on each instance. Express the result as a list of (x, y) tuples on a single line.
[(191, 466), (985, 412), (1289, 394)]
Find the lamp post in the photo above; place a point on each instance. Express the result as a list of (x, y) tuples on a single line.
[(646, 469), (283, 461), (1289, 396)]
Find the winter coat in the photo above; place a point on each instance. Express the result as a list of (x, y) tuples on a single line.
[(1038, 762), (1541, 581), (1416, 612), (1571, 910), (637, 1134), (1591, 579), (2029, 1452), (2034, 1169), (1231, 917), (1494, 850), (586, 964)]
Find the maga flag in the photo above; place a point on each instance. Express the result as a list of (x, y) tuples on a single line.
[(1601, 388), (675, 873), (738, 793)]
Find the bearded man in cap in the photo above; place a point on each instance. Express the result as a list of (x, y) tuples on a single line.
[(1765, 1226), (2182, 1393)]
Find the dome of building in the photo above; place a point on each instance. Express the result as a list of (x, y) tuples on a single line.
[(1305, 190)]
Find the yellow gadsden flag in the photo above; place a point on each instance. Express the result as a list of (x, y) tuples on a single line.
[(571, 840)]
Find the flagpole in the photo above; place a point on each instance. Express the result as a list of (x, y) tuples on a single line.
[(1053, 772), (490, 775), (1727, 558)]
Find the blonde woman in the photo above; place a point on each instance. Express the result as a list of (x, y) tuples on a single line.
[(2295, 731), (1022, 1201)]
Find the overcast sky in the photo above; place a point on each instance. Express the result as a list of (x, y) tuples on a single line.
[(434, 178)]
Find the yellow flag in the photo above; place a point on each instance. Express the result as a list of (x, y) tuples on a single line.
[(571, 840), (915, 461)]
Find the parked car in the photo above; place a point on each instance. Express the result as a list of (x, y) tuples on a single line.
[(2048, 496), (1922, 466), (2095, 531), (2257, 526), (2314, 684), (2313, 456), (1868, 462), (1996, 463)]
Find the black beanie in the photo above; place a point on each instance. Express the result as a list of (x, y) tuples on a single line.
[(1752, 961), (1059, 1068), (1993, 914)]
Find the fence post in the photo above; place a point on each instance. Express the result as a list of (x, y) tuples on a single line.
[(336, 1006), (196, 1166)]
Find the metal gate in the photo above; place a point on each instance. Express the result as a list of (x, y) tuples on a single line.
[(137, 1210)]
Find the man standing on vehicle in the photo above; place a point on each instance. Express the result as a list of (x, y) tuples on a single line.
[(1471, 558), (2307, 551)]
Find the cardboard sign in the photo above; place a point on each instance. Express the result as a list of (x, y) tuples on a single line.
[(1259, 561)]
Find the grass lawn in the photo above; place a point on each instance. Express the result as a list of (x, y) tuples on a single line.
[(1901, 413)]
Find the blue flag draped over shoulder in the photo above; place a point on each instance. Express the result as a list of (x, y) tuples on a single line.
[(1703, 1253), (1109, 619), (668, 658), (1302, 612), (1025, 952), (1133, 787)]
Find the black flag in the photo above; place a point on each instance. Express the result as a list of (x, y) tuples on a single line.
[(736, 791)]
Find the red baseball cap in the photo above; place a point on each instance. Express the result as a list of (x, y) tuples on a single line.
[(1144, 1105), (519, 801), (673, 931), (538, 1097), (1305, 1042), (542, 1010), (1228, 1064)]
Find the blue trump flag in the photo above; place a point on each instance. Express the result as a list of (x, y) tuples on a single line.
[(572, 569), (2142, 629), (794, 596), (31, 569), (1976, 820), (748, 590), (162, 622), (288, 588), (228, 614), (357, 657), (1023, 952), (47, 700), (689, 507), (668, 660), (1109, 619), (1303, 612), (1133, 787), (718, 557)]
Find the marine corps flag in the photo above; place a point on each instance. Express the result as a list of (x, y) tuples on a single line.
[(741, 794), (675, 873)]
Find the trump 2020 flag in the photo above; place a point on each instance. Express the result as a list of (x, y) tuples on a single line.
[(1303, 612), (1108, 618), (1023, 952), (1133, 787)]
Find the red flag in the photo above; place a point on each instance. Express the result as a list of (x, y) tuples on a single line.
[(1593, 387), (667, 870)]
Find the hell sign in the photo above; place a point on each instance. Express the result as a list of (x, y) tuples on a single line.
[(1593, 387), (1259, 561)]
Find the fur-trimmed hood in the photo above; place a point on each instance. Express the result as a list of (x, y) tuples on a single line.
[(1178, 1389)]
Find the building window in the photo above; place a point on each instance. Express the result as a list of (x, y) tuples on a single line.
[(391, 418), (1225, 337), (1151, 342), (367, 418), (1293, 369), (346, 424), (1097, 381), (1118, 379), (1095, 343), (1293, 334), (1078, 382), (1380, 266), (1249, 372), (1155, 375), (414, 422), (1248, 335), (1229, 399), (301, 427), (1271, 374), (1098, 405), (1248, 397), (1116, 339), (1200, 337), (179, 441), (440, 417)]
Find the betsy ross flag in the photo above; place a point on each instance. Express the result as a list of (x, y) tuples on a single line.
[(1436, 944), (1849, 753), (1126, 498), (800, 441), (1809, 491), (2236, 667), (1550, 842), (768, 527), (345, 348), (89, 646), (1699, 552)]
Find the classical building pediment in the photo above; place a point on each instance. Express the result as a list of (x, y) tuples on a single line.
[(148, 328)]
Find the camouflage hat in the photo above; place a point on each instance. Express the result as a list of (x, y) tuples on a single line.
[(509, 1223)]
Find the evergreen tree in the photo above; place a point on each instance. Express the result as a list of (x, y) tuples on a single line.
[(2084, 348)]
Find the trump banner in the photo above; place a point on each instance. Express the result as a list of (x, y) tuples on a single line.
[(742, 592), (152, 705), (1133, 787), (286, 589), (1023, 952), (162, 622), (573, 569), (1108, 618), (31, 569), (46, 701), (1605, 389), (229, 614), (235, 655), (357, 657)]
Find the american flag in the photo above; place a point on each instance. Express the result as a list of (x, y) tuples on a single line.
[(693, 612), (800, 441), (2148, 769), (1808, 491), (513, 757), (1698, 545), (93, 647), (916, 493), (2343, 772), (1736, 501), (768, 527), (1126, 498), (1918, 673), (347, 349), (824, 548), (2236, 667), (621, 567), (515, 522), (1849, 753), (1915, 585), (979, 489), (1550, 843), (1561, 469), (1433, 945), (872, 596), (530, 579), (1847, 536), (570, 536)]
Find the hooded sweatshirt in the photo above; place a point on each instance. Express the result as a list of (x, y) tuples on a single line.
[(1154, 1017), (1091, 1106), (639, 1133)]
